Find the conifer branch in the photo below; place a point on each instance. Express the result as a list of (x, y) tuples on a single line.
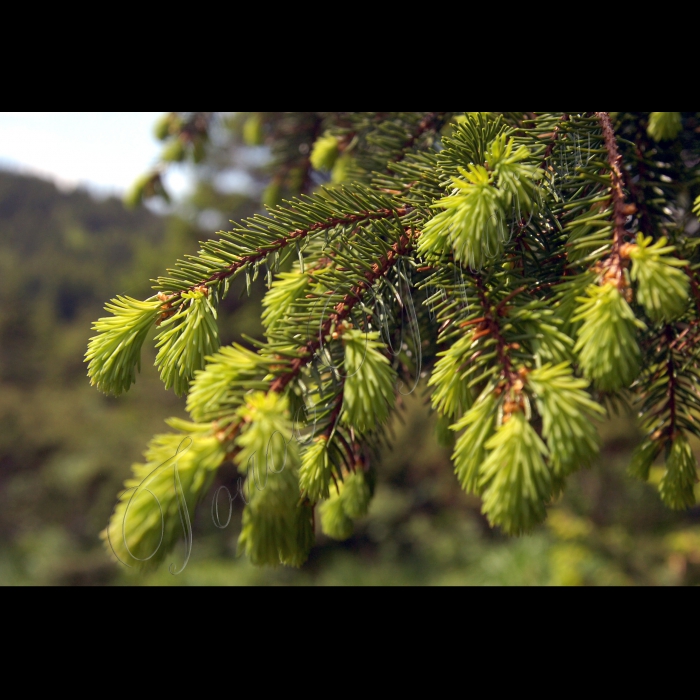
[(554, 137), (687, 337), (667, 344), (292, 237), (432, 121), (335, 414), (667, 388), (490, 326), (340, 313), (522, 220), (621, 210), (342, 310)]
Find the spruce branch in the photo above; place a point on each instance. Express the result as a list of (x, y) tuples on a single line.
[(536, 228), (289, 238), (553, 138), (305, 353), (489, 326), (343, 309), (614, 265)]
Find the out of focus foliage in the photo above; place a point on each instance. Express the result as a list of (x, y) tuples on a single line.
[(63, 447)]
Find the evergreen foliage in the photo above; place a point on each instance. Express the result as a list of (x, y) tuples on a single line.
[(664, 126), (325, 152), (368, 393), (349, 502), (677, 484), (315, 471), (178, 470), (186, 339), (470, 452), (662, 289), (115, 353), (566, 410), (515, 480), (607, 339), (522, 259)]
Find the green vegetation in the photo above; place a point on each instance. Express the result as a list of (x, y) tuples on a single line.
[(530, 237), (519, 419)]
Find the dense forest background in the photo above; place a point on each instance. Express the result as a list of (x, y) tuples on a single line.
[(65, 449)]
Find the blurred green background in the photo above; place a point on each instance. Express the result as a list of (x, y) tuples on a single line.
[(65, 449)]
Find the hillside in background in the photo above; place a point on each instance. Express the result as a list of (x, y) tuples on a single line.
[(63, 446), (65, 449)]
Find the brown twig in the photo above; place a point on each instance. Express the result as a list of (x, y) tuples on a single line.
[(343, 308), (338, 405), (554, 136), (614, 265), (296, 235), (340, 313), (494, 330)]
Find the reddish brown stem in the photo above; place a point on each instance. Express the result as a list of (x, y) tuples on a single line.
[(507, 370), (475, 322), (620, 208), (508, 299), (336, 411), (686, 337), (297, 235), (554, 138), (342, 310)]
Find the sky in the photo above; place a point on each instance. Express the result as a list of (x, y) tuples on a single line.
[(103, 151)]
